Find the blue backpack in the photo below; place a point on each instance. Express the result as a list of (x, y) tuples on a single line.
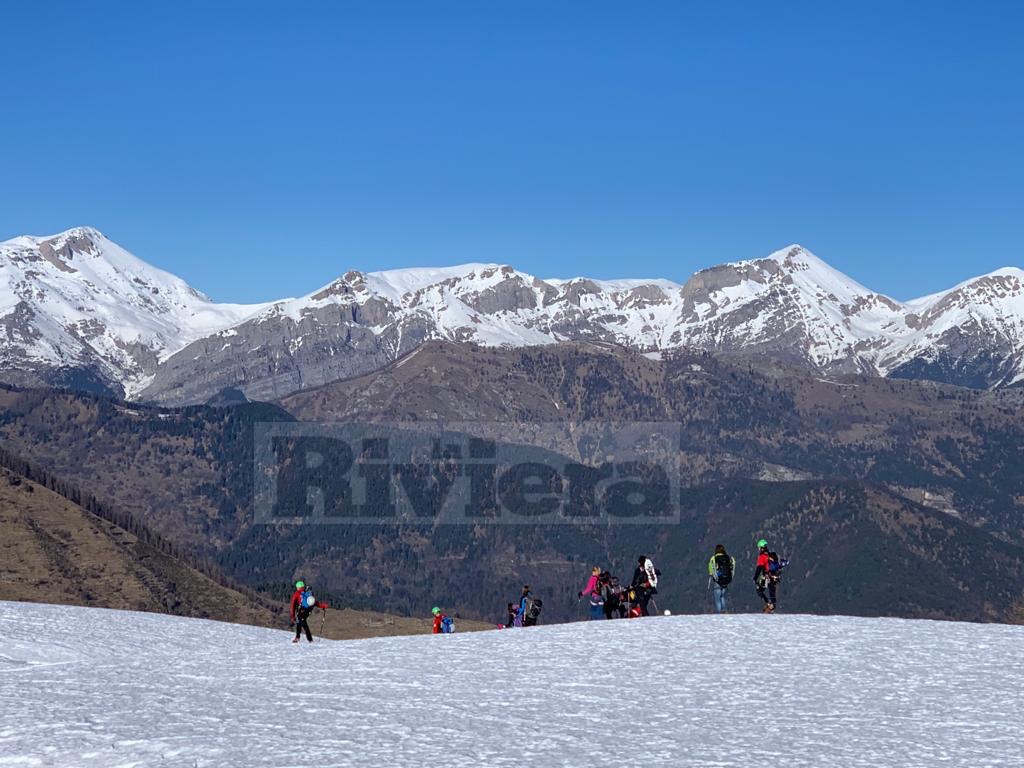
[(447, 625), (307, 601), (775, 565)]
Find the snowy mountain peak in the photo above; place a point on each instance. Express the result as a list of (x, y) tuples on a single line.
[(77, 301)]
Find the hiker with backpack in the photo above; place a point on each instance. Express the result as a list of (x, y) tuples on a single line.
[(303, 603), (443, 624), (529, 609), (720, 570), (767, 575), (611, 594), (593, 594), (645, 584)]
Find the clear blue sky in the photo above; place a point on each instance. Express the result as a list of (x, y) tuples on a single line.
[(262, 149)]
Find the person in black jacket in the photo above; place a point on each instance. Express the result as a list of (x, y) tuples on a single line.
[(645, 583), (611, 593)]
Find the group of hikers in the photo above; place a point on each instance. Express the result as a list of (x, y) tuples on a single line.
[(607, 597), (610, 599), (767, 574)]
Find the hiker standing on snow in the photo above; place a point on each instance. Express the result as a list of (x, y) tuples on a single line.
[(720, 570), (593, 593), (764, 576), (443, 625), (645, 582), (529, 609), (303, 603), (611, 593)]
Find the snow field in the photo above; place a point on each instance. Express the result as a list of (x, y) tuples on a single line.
[(88, 687)]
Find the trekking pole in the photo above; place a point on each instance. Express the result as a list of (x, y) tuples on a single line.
[(578, 599), (655, 604), (323, 620)]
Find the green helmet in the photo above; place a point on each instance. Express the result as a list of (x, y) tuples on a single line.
[(761, 543), (300, 584), (435, 610)]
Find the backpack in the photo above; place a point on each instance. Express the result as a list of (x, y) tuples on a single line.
[(307, 601), (723, 570), (775, 565), (447, 625), (651, 572), (533, 608)]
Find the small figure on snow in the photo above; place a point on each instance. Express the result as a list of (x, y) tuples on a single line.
[(510, 619), (303, 603), (720, 570), (593, 593), (645, 583), (767, 575), (443, 625), (529, 609)]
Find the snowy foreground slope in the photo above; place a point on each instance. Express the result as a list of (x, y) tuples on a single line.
[(89, 687)]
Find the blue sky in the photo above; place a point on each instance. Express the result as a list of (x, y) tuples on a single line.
[(261, 149)]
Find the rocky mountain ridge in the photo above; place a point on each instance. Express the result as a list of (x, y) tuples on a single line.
[(77, 310)]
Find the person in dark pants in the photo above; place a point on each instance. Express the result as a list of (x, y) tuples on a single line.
[(645, 583), (764, 579), (611, 593), (302, 606)]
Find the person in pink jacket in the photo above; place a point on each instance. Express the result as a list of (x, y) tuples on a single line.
[(593, 593)]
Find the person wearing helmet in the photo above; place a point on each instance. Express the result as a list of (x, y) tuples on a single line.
[(438, 620), (762, 577), (302, 605)]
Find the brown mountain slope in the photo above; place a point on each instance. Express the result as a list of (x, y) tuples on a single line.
[(54, 551), (188, 473), (957, 450)]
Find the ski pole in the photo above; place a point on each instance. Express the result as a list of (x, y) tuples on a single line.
[(323, 620)]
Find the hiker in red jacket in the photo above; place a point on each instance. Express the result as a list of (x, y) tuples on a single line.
[(303, 604), (764, 578)]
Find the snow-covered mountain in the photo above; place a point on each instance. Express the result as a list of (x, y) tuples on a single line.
[(971, 335), (78, 303), (96, 688), (76, 308)]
